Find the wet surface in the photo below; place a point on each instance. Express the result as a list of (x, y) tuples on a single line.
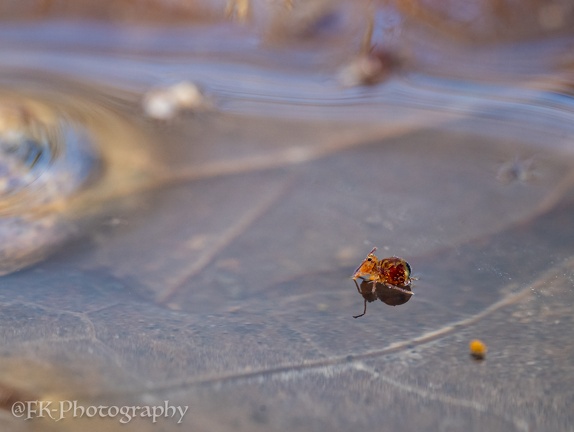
[(225, 183)]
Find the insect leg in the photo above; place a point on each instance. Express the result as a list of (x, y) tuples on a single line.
[(364, 311), (399, 289), (357, 285)]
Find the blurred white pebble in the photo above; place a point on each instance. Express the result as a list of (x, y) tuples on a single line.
[(165, 103)]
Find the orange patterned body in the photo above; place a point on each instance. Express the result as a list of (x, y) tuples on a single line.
[(393, 271)]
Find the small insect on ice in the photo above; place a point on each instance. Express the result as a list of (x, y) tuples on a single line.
[(388, 273)]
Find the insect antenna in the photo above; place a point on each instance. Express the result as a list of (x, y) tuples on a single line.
[(363, 262)]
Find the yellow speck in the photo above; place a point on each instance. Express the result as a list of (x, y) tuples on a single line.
[(477, 349)]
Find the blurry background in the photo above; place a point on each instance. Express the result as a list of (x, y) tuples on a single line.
[(187, 186)]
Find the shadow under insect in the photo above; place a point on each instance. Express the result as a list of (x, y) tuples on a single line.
[(386, 293)]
